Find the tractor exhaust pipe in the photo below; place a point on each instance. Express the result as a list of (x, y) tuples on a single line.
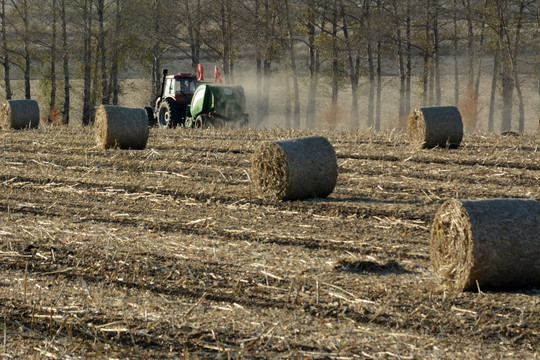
[(165, 72)]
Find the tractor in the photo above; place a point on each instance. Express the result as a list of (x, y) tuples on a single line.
[(170, 107), (217, 106)]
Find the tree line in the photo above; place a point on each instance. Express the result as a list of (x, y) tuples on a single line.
[(336, 42)]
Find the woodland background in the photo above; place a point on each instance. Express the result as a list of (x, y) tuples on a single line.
[(304, 63)]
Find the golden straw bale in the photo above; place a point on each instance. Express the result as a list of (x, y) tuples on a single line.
[(295, 169), (434, 126), (126, 128), (19, 114), (487, 244)]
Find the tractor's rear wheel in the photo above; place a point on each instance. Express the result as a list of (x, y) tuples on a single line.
[(201, 122), (242, 123), (168, 115)]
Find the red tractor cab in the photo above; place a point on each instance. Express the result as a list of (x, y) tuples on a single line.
[(176, 93)]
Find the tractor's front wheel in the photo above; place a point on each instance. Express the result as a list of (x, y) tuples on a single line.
[(201, 122), (150, 115), (168, 115)]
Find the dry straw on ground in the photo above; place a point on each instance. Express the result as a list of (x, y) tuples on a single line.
[(122, 127), (487, 244), (19, 114), (434, 126), (295, 169)]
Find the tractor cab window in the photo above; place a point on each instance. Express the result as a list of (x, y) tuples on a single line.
[(185, 85), (168, 88)]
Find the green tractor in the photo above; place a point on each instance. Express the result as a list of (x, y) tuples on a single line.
[(217, 106)]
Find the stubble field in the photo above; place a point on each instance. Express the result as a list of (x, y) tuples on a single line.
[(169, 252)]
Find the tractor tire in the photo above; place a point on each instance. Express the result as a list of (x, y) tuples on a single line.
[(152, 121), (243, 123), (168, 114), (201, 122)]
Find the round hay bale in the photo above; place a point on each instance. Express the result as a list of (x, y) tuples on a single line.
[(20, 114), (295, 169), (487, 244), (434, 126), (126, 128)]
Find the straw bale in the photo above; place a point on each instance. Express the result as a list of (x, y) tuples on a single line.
[(20, 114), (122, 127), (295, 169), (434, 126), (487, 244)]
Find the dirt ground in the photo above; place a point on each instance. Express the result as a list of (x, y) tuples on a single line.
[(169, 252)]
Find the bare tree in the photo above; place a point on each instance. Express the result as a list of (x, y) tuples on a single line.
[(52, 100), (194, 23), (115, 57), (401, 59), (494, 77), (292, 57), (436, 53), (65, 62), (455, 50), (5, 53), (335, 54), (371, 66), (87, 62), (100, 9), (379, 67), (517, 40), (353, 58), (408, 75), (21, 9), (314, 60)]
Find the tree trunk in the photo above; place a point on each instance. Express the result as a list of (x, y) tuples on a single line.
[(87, 56), (259, 85), (27, 52), (455, 53), (436, 55), (401, 62), (194, 35), (294, 75), (491, 116), (507, 80), (335, 60), (287, 103), (156, 52), (113, 81), (265, 101), (353, 71), (52, 102), (409, 60), (379, 78), (470, 44), (371, 68), (517, 39), (65, 65), (5, 53), (230, 22), (476, 93), (425, 50), (313, 69), (479, 58), (225, 41), (100, 8)]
